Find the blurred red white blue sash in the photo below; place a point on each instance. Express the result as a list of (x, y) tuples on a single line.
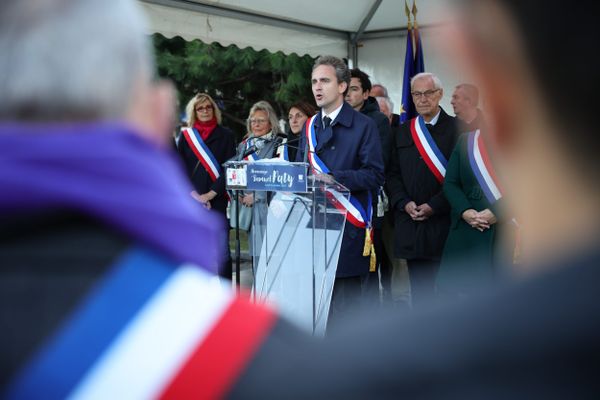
[(151, 329)]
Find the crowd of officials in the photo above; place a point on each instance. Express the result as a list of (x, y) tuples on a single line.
[(433, 231), (107, 264)]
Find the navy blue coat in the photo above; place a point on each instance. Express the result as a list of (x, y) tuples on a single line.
[(352, 152)]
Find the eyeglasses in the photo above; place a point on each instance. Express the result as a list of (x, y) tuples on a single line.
[(258, 121), (204, 108), (296, 116), (428, 94)]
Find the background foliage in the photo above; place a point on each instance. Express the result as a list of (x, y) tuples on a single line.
[(235, 78)]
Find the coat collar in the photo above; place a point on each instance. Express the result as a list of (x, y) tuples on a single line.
[(344, 118)]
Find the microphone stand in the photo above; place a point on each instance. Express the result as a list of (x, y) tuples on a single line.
[(237, 228), (237, 243), (235, 193)]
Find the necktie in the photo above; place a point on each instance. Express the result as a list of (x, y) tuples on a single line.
[(326, 122)]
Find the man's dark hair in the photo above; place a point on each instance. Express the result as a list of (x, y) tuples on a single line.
[(365, 82), (342, 73)]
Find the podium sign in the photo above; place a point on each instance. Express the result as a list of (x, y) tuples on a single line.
[(262, 176), (295, 238), (276, 177)]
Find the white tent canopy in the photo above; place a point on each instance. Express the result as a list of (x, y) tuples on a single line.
[(372, 34)]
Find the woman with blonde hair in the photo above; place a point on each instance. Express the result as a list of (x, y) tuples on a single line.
[(263, 139), (204, 146)]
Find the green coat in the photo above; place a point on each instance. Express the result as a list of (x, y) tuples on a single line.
[(469, 255)]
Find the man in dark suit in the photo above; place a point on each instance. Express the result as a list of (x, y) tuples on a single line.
[(422, 148), (348, 144)]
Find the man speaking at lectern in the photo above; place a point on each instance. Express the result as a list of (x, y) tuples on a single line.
[(343, 145)]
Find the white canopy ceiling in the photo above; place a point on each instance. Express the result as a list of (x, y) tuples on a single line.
[(311, 27), (314, 27)]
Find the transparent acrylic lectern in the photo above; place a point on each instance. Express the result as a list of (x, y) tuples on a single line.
[(295, 240)]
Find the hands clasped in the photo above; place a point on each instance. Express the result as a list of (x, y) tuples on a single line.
[(481, 220), (418, 212)]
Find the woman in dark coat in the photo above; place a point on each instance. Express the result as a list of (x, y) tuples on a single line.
[(204, 146), (472, 249)]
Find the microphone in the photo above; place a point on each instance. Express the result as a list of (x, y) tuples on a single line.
[(249, 150), (278, 136)]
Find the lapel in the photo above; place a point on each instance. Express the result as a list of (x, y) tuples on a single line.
[(344, 118), (323, 136)]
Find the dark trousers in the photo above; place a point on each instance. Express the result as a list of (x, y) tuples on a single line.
[(226, 269), (384, 265), (422, 274), (347, 298)]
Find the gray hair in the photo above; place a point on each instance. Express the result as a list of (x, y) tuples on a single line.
[(383, 88), (71, 59), (266, 107), (342, 72), (387, 101), (437, 84)]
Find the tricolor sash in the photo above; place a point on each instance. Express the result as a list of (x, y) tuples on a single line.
[(429, 150), (201, 150), (149, 330), (482, 167), (355, 213), (484, 172), (357, 216), (251, 156)]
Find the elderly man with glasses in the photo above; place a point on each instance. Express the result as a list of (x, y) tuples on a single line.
[(422, 147)]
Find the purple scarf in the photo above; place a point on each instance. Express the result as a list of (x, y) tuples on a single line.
[(108, 172)]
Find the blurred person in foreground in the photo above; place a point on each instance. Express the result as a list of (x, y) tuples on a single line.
[(107, 262), (535, 338), (204, 147), (298, 114)]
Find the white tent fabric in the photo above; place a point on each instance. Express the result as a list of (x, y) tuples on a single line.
[(314, 27), (190, 25)]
